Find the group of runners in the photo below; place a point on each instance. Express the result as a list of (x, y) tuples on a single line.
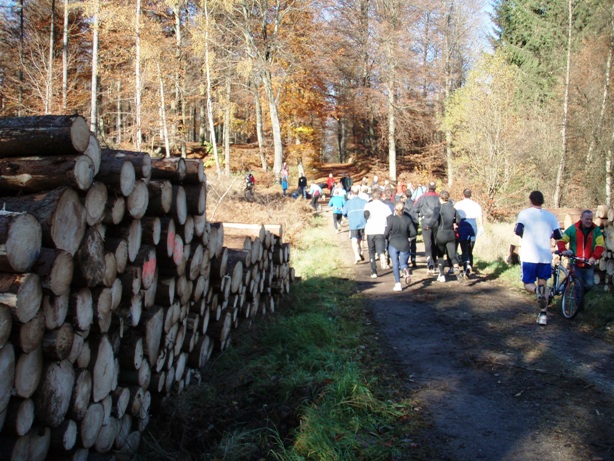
[(388, 217)]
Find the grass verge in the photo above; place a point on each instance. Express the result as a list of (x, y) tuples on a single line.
[(305, 384)]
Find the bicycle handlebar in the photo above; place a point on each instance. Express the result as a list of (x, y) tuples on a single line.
[(573, 258)]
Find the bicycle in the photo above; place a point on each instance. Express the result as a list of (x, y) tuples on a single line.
[(565, 282), (248, 192)]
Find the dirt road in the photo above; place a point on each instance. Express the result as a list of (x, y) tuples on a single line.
[(495, 385)]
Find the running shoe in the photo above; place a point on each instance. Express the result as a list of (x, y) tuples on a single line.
[(373, 276), (542, 318), (397, 287), (441, 278)]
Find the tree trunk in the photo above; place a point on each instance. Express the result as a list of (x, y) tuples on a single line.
[(65, 59), (117, 172), (208, 92), (94, 87), (558, 188), (137, 86)]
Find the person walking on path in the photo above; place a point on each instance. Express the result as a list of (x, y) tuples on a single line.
[(417, 192), (465, 238), (536, 226), (315, 191), (347, 182), (354, 211), (427, 208), (585, 241), (284, 177), (471, 211), (336, 203), (330, 183), (408, 205), (399, 230), (376, 213), (446, 238), (302, 186)]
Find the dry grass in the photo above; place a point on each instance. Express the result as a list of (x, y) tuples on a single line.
[(226, 203), (494, 243)]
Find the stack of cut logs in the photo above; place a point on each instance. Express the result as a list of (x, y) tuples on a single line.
[(114, 288), (603, 217)]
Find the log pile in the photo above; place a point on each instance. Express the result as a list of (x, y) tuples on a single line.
[(114, 288), (604, 273)]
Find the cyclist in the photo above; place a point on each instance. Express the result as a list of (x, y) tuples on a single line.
[(585, 241), (535, 227)]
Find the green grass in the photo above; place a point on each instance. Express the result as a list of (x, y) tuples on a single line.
[(304, 384)]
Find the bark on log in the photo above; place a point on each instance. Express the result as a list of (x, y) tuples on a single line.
[(52, 398), (172, 169), (196, 198), (20, 241), (7, 374), (152, 230), (57, 343), (22, 293), (160, 197), (132, 234), (95, 203), (165, 293), (141, 161), (60, 214), (117, 173), (195, 171), (55, 269), (6, 324), (90, 260), (43, 135), (34, 174)]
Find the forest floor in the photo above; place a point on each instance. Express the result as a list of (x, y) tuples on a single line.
[(493, 384)]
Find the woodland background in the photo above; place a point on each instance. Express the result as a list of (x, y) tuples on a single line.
[(505, 104)]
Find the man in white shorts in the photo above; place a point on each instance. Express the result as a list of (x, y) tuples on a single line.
[(536, 227)]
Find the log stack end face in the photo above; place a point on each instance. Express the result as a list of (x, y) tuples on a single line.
[(23, 241)]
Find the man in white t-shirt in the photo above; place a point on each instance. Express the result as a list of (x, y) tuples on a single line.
[(536, 227), (471, 211), (376, 213)]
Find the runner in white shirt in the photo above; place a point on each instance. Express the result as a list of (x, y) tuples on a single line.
[(471, 211), (376, 213), (536, 227)]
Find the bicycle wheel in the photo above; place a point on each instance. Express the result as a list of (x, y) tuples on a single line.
[(572, 297), (249, 194)]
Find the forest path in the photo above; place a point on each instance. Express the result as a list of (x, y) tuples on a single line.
[(493, 383)]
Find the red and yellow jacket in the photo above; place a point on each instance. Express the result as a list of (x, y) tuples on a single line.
[(591, 246)]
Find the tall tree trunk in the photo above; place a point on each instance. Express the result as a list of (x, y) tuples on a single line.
[(179, 104), (275, 124), (227, 121), (259, 134), (119, 122), (49, 87), (21, 63), (209, 101), (201, 129), (137, 89), (65, 59), (163, 122), (604, 98), (561, 168), (94, 90), (448, 88), (609, 169), (342, 138), (392, 149)]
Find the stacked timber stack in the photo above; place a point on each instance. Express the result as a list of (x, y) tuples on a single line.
[(114, 288)]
